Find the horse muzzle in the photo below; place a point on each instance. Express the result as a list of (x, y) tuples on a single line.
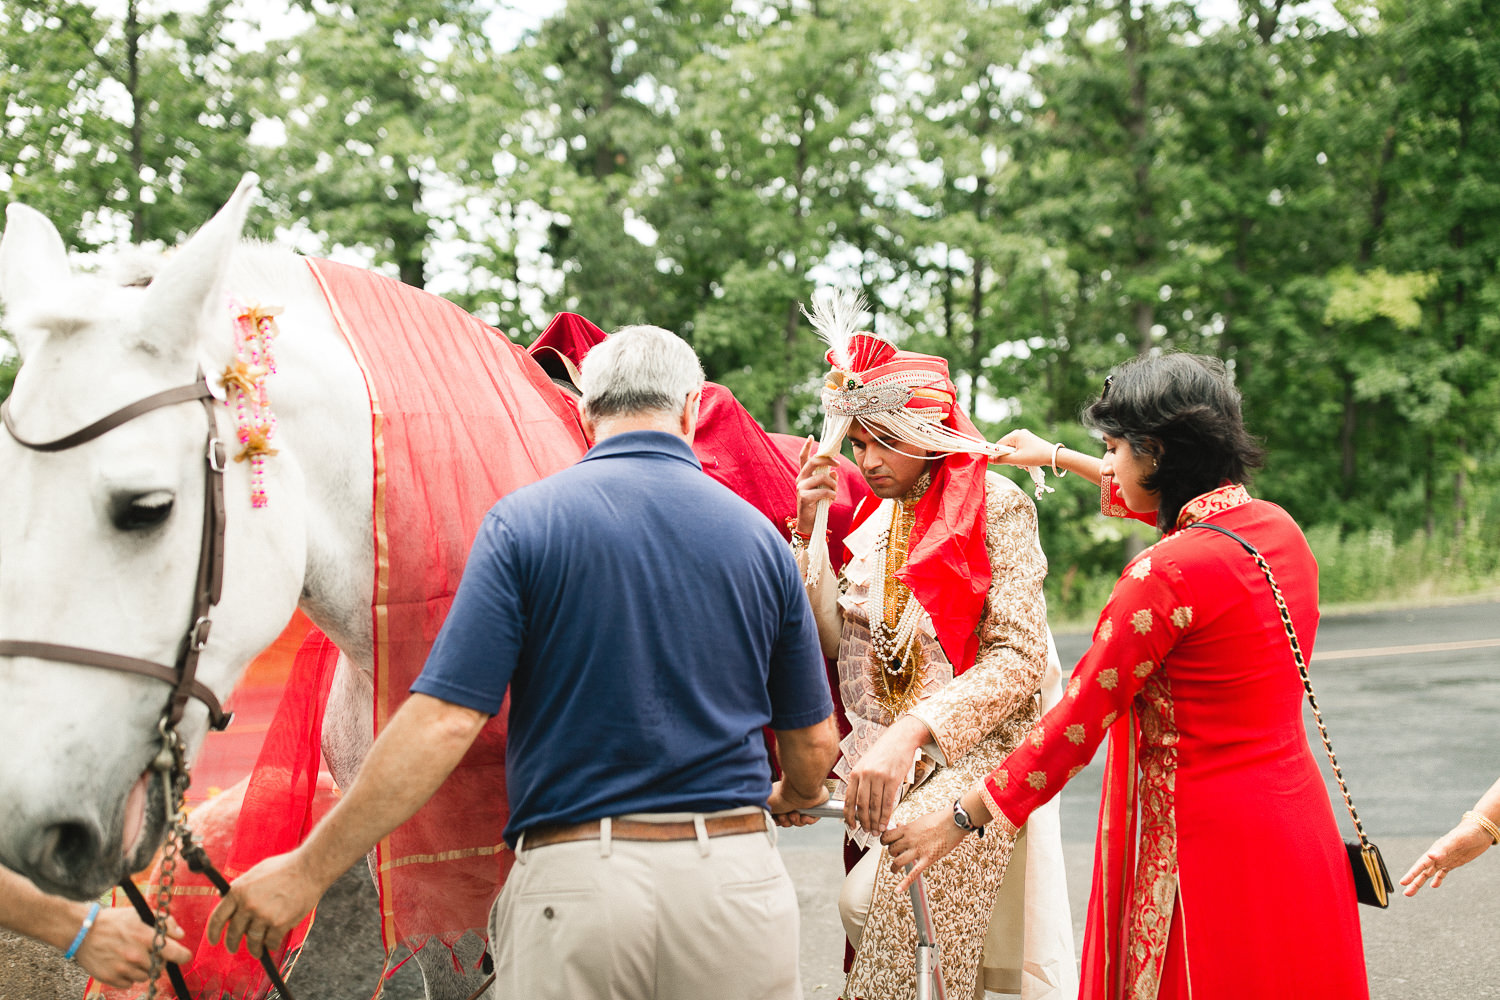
[(75, 853)]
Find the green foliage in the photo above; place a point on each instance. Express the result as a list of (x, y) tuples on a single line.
[(119, 129), (10, 363), (1036, 191)]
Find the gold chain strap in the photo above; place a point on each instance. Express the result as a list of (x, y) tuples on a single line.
[(1312, 699)]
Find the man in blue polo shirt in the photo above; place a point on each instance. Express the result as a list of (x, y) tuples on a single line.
[(648, 623)]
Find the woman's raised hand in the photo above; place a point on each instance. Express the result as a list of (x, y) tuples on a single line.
[(1029, 450)]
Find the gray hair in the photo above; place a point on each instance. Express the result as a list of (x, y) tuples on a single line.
[(637, 370)]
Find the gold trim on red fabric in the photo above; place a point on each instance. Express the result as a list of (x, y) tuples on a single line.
[(1226, 497), (382, 567), (427, 859), (1107, 505), (1156, 864)]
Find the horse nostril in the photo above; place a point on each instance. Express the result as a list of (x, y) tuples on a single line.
[(69, 849)]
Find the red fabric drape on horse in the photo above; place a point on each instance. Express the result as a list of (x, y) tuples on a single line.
[(460, 416), (278, 790)]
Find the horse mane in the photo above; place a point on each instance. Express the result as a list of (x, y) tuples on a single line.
[(138, 266), (266, 265)]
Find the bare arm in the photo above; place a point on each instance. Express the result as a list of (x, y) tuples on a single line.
[(418, 749), (1034, 451), (1460, 845), (805, 756), (116, 950)]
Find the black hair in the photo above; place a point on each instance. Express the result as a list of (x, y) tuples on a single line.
[(1183, 411)]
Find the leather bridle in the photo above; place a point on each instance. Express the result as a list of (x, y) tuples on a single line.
[(182, 675)]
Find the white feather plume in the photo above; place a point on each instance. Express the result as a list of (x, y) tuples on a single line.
[(837, 314)]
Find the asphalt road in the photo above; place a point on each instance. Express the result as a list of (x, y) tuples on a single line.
[(1410, 698)]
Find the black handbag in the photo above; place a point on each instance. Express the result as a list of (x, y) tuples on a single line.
[(1372, 884)]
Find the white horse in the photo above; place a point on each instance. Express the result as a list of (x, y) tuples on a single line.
[(98, 542)]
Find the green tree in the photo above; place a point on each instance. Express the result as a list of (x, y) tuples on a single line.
[(778, 141), (128, 128), (372, 101)]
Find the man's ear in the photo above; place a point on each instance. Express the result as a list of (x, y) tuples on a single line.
[(589, 428), (690, 413)]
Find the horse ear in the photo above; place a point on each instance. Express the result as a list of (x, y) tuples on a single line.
[(184, 305), (33, 259)]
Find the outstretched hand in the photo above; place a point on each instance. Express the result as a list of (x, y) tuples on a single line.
[(1028, 449), (264, 904), (1458, 846), (921, 844)]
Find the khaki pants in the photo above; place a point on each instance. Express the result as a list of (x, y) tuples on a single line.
[(647, 920)]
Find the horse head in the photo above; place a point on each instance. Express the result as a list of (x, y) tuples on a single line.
[(100, 544)]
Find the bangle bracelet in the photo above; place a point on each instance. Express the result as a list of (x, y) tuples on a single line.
[(83, 932), (1055, 449), (1484, 824)]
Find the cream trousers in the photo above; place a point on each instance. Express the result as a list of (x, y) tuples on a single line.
[(647, 920)]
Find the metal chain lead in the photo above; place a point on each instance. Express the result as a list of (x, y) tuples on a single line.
[(173, 769), (1291, 634)]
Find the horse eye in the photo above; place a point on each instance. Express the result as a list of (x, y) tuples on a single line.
[(140, 511)]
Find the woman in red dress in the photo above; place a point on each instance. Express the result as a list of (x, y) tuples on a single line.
[(1219, 872)]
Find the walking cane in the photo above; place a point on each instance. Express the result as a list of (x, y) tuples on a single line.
[(929, 961)]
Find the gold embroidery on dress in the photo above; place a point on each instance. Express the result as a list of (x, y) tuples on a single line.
[(1156, 865), (1107, 506), (1182, 617), (1141, 621), (1144, 668), (1141, 568), (1075, 734), (1106, 629), (1109, 678), (1037, 780), (1212, 502)]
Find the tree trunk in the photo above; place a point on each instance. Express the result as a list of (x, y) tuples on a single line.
[(1460, 241), (1137, 125), (410, 249), (976, 334), (137, 128)]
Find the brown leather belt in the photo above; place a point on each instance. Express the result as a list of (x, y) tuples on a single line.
[(635, 829)]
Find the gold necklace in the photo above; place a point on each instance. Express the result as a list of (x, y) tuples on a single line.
[(895, 648)]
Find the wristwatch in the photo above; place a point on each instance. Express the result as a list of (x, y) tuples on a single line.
[(961, 818)]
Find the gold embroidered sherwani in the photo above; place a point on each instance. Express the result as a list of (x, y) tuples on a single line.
[(976, 720)]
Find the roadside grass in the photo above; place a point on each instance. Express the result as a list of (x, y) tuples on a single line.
[(1358, 571)]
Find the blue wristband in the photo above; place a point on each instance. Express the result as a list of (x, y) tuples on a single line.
[(83, 932)]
